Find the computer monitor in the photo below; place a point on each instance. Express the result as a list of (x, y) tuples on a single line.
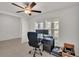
[(42, 31)]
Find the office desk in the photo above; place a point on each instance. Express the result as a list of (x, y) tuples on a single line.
[(48, 45)]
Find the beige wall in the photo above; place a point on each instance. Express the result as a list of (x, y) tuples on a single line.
[(10, 27)]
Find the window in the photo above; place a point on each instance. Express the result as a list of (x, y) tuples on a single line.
[(56, 29), (51, 26), (39, 25), (35, 25)]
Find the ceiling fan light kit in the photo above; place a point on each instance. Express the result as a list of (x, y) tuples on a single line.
[(27, 9)]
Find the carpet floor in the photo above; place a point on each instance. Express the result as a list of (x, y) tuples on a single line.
[(14, 48)]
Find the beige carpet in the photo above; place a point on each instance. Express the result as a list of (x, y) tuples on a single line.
[(14, 48)]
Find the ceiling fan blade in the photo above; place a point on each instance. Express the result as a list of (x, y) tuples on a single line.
[(36, 11), (19, 11), (17, 5), (27, 4), (32, 4)]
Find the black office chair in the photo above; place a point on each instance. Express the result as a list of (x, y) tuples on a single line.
[(34, 42)]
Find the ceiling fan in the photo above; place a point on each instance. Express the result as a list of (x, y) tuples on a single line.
[(27, 8)]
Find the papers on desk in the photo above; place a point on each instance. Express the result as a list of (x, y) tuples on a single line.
[(40, 36), (47, 38)]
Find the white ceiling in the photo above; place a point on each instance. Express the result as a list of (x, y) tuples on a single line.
[(43, 6)]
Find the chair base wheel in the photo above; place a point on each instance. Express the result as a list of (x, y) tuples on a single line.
[(29, 52), (41, 54), (35, 52), (34, 55)]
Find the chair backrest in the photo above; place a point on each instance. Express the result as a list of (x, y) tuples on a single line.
[(32, 37)]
